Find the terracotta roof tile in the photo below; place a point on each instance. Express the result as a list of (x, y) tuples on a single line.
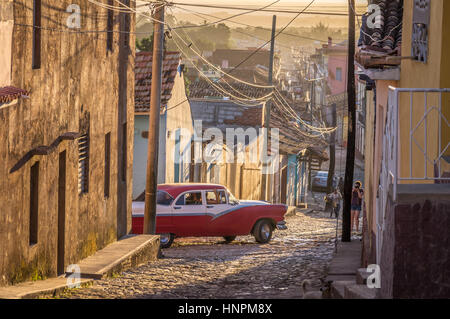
[(387, 39), (201, 89), (143, 78), (11, 93)]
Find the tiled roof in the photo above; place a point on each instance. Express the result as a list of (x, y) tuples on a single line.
[(293, 142), (11, 93), (202, 88), (376, 43), (252, 117), (235, 57), (143, 78), (226, 114)]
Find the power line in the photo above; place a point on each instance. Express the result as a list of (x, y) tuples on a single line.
[(261, 10), (226, 19), (276, 35), (203, 15)]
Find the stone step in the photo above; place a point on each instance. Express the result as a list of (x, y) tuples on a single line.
[(128, 252), (40, 288), (337, 289), (359, 292), (361, 276)]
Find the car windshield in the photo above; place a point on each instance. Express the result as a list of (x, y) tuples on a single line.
[(231, 199), (163, 198)]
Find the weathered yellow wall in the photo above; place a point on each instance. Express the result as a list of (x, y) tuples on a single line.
[(369, 158), (178, 117), (445, 73), (422, 75), (78, 76), (6, 31), (381, 113)]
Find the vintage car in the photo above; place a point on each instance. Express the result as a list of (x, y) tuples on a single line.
[(206, 210)]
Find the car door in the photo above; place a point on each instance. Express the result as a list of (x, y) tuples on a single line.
[(189, 214), (164, 221), (217, 207)]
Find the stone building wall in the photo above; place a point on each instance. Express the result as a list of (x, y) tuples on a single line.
[(415, 259), (75, 90)]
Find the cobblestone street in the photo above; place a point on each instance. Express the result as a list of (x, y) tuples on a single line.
[(209, 268)]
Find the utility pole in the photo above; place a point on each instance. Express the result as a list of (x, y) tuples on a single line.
[(313, 94), (312, 103), (267, 107), (153, 130), (350, 162), (332, 167)]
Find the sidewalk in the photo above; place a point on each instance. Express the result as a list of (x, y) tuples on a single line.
[(129, 252), (348, 280)]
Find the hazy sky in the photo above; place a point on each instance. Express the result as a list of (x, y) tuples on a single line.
[(260, 18), (265, 2)]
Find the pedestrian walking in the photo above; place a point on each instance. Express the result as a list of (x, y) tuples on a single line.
[(357, 198), (341, 185), (335, 199)]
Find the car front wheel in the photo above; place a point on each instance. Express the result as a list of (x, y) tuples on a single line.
[(166, 240), (263, 231)]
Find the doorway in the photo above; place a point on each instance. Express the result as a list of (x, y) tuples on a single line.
[(61, 213), (284, 180)]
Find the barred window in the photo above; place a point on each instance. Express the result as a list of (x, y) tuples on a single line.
[(34, 203), (126, 37), (36, 56), (107, 163), (421, 30), (83, 164), (110, 26)]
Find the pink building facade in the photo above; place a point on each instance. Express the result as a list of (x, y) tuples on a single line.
[(336, 56)]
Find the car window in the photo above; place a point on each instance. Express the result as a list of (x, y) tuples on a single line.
[(190, 199), (222, 197), (211, 198), (163, 198)]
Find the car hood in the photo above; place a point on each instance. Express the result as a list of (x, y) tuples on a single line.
[(252, 202)]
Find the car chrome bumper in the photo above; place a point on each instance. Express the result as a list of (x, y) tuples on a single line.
[(282, 226)]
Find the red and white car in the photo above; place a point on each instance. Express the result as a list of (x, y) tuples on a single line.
[(207, 210)]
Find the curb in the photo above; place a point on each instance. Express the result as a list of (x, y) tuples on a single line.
[(135, 251)]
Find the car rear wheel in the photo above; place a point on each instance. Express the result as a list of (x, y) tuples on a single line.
[(263, 231), (166, 240), (229, 239)]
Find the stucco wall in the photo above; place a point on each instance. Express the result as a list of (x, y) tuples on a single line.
[(433, 74), (380, 122), (6, 31), (369, 196), (179, 118), (67, 92), (445, 72), (176, 117), (334, 62)]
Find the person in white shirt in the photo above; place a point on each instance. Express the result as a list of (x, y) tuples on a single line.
[(335, 199)]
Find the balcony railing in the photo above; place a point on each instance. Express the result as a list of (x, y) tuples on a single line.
[(410, 142)]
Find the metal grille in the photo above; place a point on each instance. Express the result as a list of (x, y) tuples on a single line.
[(420, 121), (83, 164), (421, 26)]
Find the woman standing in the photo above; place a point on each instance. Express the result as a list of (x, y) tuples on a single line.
[(357, 196)]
